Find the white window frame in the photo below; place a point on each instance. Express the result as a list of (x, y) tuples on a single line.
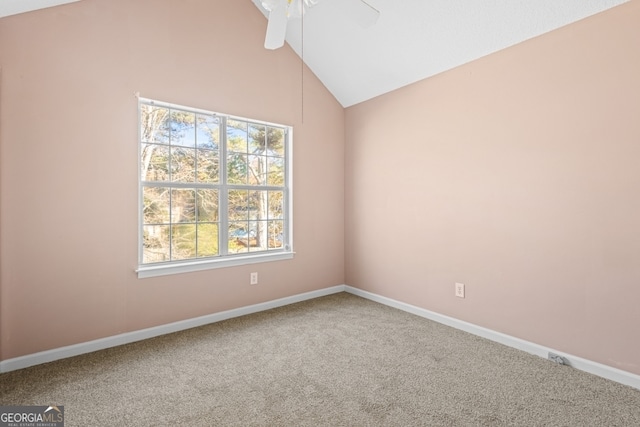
[(223, 259)]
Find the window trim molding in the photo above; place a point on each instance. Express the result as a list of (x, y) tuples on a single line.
[(229, 260), (177, 267)]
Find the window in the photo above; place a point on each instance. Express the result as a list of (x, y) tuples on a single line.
[(214, 190)]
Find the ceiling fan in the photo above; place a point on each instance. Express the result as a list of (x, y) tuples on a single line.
[(281, 10)]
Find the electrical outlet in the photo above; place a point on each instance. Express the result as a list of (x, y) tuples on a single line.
[(556, 358), (460, 290), (254, 278)]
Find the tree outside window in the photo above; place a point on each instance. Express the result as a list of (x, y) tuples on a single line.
[(211, 186)]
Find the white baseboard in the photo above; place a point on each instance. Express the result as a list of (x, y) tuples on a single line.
[(594, 368), (604, 371), (129, 337)]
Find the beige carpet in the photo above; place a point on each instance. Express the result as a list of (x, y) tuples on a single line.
[(335, 361)]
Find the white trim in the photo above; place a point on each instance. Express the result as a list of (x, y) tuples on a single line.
[(604, 371), (197, 110), (153, 270), (129, 337)]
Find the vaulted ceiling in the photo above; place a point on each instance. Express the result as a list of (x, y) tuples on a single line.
[(13, 7), (416, 39), (411, 40)]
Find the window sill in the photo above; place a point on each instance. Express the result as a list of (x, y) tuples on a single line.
[(153, 270)]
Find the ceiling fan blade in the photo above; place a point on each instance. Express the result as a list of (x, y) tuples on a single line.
[(277, 26), (362, 12)]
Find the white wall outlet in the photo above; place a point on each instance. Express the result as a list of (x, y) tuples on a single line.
[(460, 290), (254, 278)]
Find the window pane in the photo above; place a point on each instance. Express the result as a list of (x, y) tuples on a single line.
[(276, 204), (207, 239), (207, 203), (237, 136), (154, 124), (238, 205), (208, 131), (183, 206), (276, 230), (208, 166), (257, 170), (258, 205), (275, 142), (155, 243), (239, 237), (183, 241), (259, 230), (237, 168), (183, 128), (257, 139), (183, 164), (275, 168), (155, 205), (154, 161)]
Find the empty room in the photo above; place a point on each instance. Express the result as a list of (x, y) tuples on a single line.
[(327, 212)]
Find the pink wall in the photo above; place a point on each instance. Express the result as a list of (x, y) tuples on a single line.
[(517, 175), (68, 153)]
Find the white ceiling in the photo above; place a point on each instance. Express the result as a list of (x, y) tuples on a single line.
[(13, 7), (416, 39), (412, 39)]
